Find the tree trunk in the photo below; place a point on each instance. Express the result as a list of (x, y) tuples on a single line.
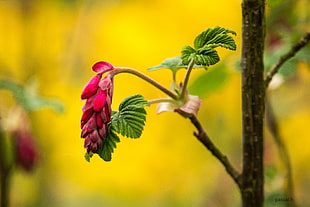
[(253, 95)]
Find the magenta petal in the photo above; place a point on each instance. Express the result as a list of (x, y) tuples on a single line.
[(103, 131), (108, 112), (89, 103), (86, 142), (85, 117), (91, 87), (100, 100), (102, 67), (94, 137), (106, 83), (99, 120)]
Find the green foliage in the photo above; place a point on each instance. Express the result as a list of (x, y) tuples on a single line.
[(204, 52), (28, 97), (174, 64), (215, 37), (289, 67), (87, 156), (108, 146), (130, 119), (208, 82)]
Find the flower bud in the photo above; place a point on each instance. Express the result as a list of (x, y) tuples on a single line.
[(26, 152)]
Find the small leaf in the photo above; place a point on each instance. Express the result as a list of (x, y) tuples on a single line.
[(203, 52), (108, 146), (214, 37), (88, 156), (205, 56), (130, 119), (28, 97), (188, 53), (173, 64)]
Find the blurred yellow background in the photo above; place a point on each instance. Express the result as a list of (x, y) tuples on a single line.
[(57, 42)]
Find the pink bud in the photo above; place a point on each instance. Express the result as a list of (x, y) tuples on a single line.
[(91, 87), (106, 83), (103, 131), (85, 117), (89, 103), (102, 67), (100, 100), (99, 120), (26, 151), (89, 126)]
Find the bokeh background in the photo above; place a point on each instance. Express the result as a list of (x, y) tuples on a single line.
[(56, 42)]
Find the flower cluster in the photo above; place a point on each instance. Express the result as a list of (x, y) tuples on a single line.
[(97, 109)]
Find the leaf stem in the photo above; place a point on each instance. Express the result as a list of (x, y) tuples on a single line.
[(145, 78), (273, 126), (275, 68), (186, 78), (160, 100)]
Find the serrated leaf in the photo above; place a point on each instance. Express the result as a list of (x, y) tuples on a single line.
[(134, 101), (203, 52), (174, 64), (204, 56), (188, 53), (28, 97), (108, 146), (214, 37), (130, 119)]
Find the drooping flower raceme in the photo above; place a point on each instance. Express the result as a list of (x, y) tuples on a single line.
[(97, 109)]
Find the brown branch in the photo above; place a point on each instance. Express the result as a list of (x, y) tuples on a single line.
[(275, 68), (203, 137)]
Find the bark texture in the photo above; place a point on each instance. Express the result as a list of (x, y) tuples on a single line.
[(253, 95)]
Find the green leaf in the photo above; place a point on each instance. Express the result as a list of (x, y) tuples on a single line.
[(130, 119), (188, 53), (215, 37), (208, 82), (108, 146), (173, 64), (203, 52), (88, 156), (28, 97), (204, 56)]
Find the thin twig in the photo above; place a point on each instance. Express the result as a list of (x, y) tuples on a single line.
[(203, 137), (5, 171), (145, 78), (275, 68), (273, 127)]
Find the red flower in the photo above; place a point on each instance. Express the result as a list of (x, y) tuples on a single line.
[(97, 109), (26, 152)]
